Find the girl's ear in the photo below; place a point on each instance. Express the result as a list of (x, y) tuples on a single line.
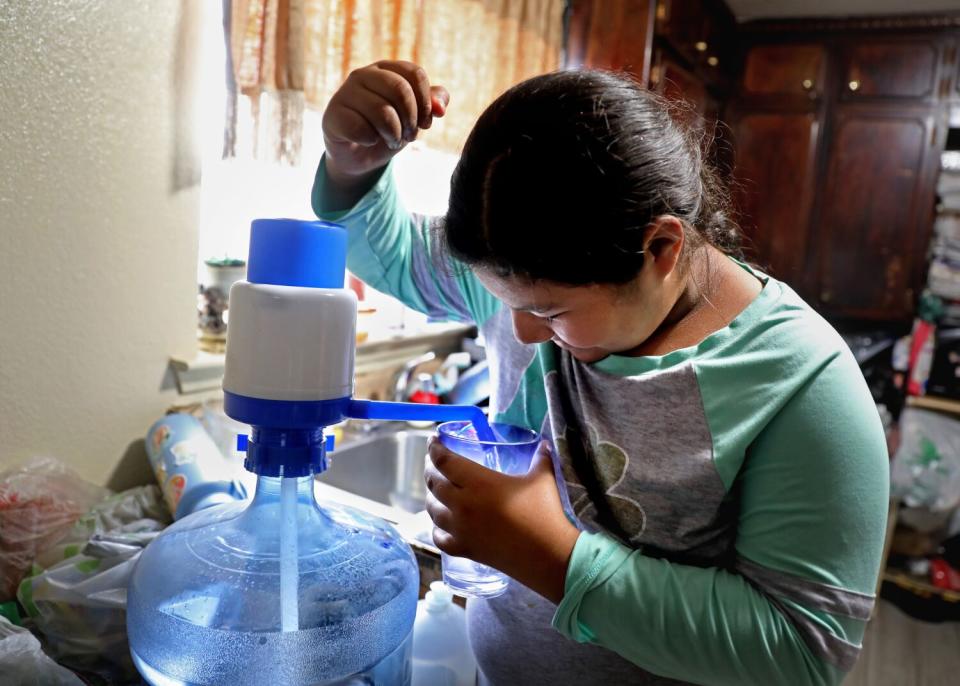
[(663, 244)]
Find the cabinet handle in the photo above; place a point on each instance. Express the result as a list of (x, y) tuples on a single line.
[(807, 84), (826, 296), (854, 85), (713, 60), (701, 46)]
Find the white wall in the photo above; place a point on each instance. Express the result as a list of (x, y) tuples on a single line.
[(97, 249)]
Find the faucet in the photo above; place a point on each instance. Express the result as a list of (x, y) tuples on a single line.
[(400, 390)]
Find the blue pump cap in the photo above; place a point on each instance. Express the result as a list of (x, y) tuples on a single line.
[(286, 452), (292, 252)]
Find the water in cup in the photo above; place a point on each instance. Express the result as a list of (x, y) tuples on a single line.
[(510, 452)]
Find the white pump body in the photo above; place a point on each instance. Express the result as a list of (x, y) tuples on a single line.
[(291, 342)]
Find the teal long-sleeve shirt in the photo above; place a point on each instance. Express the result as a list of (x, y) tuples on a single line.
[(732, 495)]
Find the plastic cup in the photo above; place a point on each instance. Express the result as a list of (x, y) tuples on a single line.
[(511, 453)]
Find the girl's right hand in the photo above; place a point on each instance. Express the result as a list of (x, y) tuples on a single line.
[(377, 110)]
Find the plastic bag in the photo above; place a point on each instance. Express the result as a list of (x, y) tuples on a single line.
[(926, 469), (78, 605), (120, 512), (23, 662), (39, 502)]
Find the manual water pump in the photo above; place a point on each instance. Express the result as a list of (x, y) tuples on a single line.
[(281, 585)]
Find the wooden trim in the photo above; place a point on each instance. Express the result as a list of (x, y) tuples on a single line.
[(930, 402), (949, 20), (605, 35), (892, 514), (915, 585)]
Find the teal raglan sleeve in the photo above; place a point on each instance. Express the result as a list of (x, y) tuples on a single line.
[(793, 609), (396, 253)]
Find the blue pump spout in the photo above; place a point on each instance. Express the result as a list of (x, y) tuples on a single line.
[(288, 439)]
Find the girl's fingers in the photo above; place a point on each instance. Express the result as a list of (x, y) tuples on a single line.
[(443, 540), (439, 513), (379, 113), (439, 99), (458, 470), (447, 543), (347, 125), (397, 91), (419, 87), (438, 485)]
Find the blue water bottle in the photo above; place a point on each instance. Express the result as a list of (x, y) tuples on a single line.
[(191, 471)]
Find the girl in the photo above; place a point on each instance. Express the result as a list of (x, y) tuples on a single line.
[(717, 450)]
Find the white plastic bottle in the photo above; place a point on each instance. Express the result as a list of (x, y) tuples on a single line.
[(441, 650)]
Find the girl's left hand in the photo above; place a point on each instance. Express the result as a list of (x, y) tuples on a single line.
[(513, 523)]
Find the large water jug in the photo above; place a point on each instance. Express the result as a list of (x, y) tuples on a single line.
[(280, 590)]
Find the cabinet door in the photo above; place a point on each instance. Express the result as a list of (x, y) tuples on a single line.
[(900, 68), (683, 24), (702, 32), (875, 219), (679, 85), (775, 172), (785, 69), (616, 34)]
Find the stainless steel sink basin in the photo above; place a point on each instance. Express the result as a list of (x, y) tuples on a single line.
[(385, 467)]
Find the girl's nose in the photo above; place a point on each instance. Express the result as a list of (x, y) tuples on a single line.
[(529, 328)]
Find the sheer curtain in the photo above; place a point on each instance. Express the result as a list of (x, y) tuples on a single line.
[(289, 54)]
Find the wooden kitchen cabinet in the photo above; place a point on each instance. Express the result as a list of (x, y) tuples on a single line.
[(614, 34), (698, 108), (702, 32), (785, 69), (627, 35), (856, 114), (777, 130), (674, 46), (776, 170), (874, 224), (679, 85), (891, 68), (683, 24)]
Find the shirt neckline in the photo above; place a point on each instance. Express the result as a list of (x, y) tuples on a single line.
[(624, 365)]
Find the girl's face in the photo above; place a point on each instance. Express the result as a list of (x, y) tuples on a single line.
[(597, 320), (591, 322)]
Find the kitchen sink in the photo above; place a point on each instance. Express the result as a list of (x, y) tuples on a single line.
[(386, 467)]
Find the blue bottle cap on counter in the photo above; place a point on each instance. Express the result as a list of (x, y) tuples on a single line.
[(293, 252)]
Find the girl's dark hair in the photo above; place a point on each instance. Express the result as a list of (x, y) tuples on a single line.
[(563, 173)]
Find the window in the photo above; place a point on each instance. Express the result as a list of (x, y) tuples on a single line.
[(238, 190)]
